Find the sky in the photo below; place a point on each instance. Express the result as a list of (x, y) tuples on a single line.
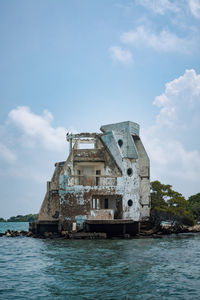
[(72, 66)]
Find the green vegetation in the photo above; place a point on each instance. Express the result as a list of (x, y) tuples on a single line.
[(167, 204), (20, 218), (194, 205)]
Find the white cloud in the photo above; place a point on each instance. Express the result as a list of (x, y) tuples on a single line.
[(37, 146), (164, 41), (118, 54), (180, 102), (194, 6), (159, 6), (174, 159), (37, 129)]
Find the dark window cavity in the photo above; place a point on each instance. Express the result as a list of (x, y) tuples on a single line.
[(98, 172), (106, 203), (130, 202), (120, 143), (130, 171)]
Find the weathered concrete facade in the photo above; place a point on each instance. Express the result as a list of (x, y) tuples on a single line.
[(104, 187)]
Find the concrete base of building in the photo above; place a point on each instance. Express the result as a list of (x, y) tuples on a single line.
[(40, 227), (116, 227)]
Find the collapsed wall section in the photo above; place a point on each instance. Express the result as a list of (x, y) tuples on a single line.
[(50, 208)]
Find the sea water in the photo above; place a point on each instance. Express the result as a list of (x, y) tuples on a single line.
[(166, 268)]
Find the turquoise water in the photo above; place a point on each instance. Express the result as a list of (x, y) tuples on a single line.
[(13, 226), (167, 268)]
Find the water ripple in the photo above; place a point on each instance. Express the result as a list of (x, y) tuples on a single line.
[(167, 268)]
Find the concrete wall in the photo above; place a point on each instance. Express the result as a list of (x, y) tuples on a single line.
[(130, 154), (144, 179), (50, 207)]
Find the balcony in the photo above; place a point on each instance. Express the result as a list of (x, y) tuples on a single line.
[(92, 180)]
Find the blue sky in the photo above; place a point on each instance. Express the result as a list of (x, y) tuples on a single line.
[(76, 65)]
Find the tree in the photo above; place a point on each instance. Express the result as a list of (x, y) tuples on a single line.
[(26, 218), (194, 205), (167, 204)]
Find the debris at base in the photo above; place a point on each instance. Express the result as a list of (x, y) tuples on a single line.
[(14, 233)]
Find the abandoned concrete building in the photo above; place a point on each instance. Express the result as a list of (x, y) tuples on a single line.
[(103, 186)]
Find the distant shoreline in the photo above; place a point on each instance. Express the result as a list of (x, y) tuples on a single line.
[(21, 218)]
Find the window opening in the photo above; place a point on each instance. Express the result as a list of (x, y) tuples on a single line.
[(120, 143), (130, 202), (130, 171), (98, 172), (79, 177), (106, 203)]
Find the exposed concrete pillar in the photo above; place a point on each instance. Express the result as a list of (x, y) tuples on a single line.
[(98, 206)]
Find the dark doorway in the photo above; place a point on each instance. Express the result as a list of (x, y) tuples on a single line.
[(106, 203)]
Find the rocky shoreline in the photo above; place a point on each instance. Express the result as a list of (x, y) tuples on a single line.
[(168, 230), (151, 233)]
